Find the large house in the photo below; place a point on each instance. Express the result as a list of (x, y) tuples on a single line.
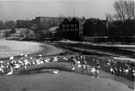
[(95, 27), (71, 28), (39, 22), (46, 22)]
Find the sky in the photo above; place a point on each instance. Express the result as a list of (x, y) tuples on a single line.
[(29, 9)]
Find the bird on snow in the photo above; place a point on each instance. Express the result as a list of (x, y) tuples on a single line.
[(55, 71)]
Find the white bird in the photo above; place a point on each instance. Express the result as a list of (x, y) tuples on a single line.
[(93, 70), (17, 66), (20, 62), (83, 67), (26, 62), (46, 60), (126, 71), (112, 71), (108, 64), (31, 58), (21, 54), (98, 67), (65, 58), (40, 55), (33, 63), (1, 62), (133, 72), (73, 69), (78, 62), (55, 71), (11, 58), (55, 59), (25, 67), (25, 55), (79, 66), (41, 62), (11, 71), (97, 71), (1, 68)]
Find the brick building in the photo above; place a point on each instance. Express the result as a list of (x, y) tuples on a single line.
[(46, 22), (95, 27), (71, 28)]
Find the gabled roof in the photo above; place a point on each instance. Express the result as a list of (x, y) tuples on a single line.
[(65, 21), (74, 20)]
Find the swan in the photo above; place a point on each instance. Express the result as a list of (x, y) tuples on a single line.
[(11, 71), (112, 71), (1, 68), (1, 62), (73, 69), (120, 70), (133, 72), (11, 58), (25, 55), (93, 70), (55, 71), (126, 71), (65, 58), (46, 60), (55, 59), (21, 54), (17, 66), (40, 55)]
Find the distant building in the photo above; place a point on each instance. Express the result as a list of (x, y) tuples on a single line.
[(122, 29), (95, 27), (46, 22), (71, 28), (23, 23)]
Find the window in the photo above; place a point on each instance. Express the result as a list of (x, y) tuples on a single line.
[(63, 26), (72, 25), (76, 29), (75, 25), (67, 25), (72, 29), (63, 29), (67, 29)]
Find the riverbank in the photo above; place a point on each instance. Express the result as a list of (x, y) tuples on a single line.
[(15, 48), (39, 79), (122, 83)]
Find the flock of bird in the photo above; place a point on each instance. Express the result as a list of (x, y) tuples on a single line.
[(8, 67), (85, 64)]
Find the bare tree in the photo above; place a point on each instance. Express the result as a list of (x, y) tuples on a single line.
[(124, 9)]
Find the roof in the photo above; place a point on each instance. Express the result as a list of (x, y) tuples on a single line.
[(72, 20)]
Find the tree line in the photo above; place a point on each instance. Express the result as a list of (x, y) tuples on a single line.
[(7, 24)]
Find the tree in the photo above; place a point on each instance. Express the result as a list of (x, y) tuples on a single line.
[(125, 10), (6, 35), (9, 24), (1, 24)]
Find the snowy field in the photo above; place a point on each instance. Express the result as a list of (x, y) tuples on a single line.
[(13, 48)]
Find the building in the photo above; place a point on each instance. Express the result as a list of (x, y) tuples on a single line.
[(46, 22), (94, 27), (23, 23), (71, 28)]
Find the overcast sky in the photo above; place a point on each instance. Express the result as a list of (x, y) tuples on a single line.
[(29, 9)]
